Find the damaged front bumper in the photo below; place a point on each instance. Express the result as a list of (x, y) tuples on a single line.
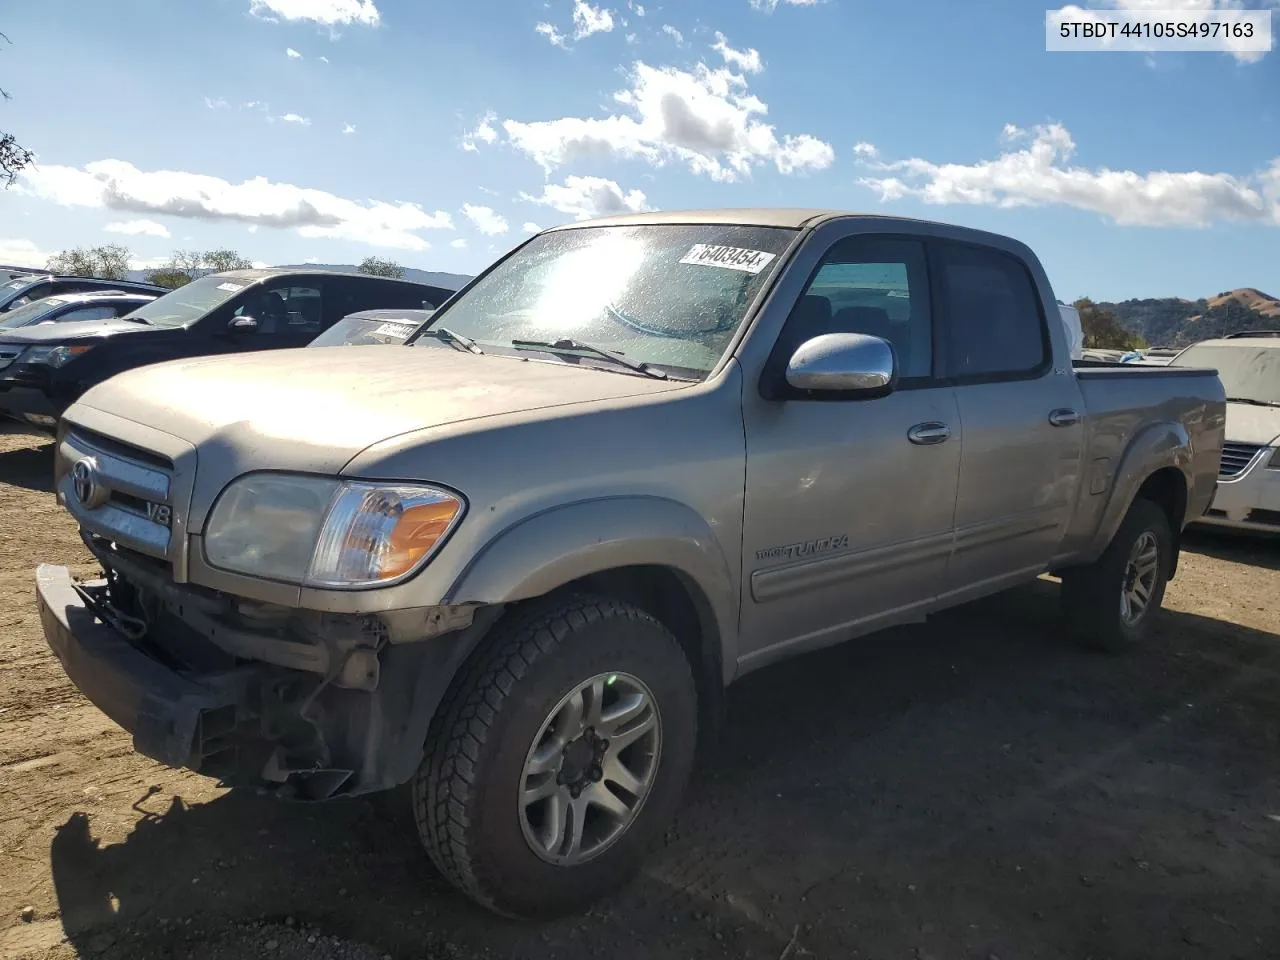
[(313, 705)]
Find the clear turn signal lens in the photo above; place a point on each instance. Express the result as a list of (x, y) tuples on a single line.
[(377, 533)]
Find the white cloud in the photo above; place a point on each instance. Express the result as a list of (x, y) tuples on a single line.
[(324, 59), (530, 227), (1040, 173), (215, 103), (120, 186), (485, 219), (330, 13), (748, 60), (636, 8), (292, 54), (586, 197), (557, 38), (137, 228), (768, 6), (483, 133), (348, 128), (704, 118), (865, 150), (588, 20), (459, 244), (673, 33), (296, 119), (23, 253)]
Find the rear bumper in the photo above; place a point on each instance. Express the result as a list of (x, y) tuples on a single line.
[(174, 719)]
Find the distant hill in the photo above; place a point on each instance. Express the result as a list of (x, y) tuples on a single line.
[(1174, 322), (450, 281)]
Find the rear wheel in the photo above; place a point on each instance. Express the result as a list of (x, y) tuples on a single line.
[(558, 757), (1111, 603)]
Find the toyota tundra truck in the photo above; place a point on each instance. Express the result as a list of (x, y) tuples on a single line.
[(514, 563)]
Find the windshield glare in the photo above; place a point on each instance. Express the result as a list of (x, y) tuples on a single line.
[(1247, 371), (188, 303), (668, 295), (28, 313)]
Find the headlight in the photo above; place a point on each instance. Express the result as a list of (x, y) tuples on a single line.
[(322, 532), (55, 356)]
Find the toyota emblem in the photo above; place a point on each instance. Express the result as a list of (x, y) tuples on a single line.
[(84, 481)]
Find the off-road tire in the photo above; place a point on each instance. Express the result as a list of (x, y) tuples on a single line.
[(1091, 594), (465, 793)]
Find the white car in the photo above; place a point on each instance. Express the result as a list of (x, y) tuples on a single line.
[(1248, 496)]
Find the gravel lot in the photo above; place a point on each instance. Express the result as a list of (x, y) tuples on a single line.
[(976, 787)]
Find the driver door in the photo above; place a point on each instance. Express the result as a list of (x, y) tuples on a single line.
[(289, 314), (850, 504)]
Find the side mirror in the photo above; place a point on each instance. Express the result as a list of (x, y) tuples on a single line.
[(844, 365), (242, 325)]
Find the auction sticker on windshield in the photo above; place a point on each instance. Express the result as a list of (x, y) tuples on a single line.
[(231, 287), (398, 330), (731, 258)]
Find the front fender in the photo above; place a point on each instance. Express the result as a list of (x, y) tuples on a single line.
[(1157, 446), (549, 549)]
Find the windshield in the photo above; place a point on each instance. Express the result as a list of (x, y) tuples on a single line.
[(29, 313), (1247, 371), (359, 331), (667, 295), (17, 283), (188, 303)]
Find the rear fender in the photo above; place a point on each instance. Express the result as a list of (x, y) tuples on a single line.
[(1155, 447)]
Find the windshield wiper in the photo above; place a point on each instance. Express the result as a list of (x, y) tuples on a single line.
[(569, 345), (454, 337), (1253, 402)]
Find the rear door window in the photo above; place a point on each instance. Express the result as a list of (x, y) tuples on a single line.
[(994, 325)]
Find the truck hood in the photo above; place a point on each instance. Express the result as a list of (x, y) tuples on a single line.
[(315, 409), (69, 332), (1249, 424)]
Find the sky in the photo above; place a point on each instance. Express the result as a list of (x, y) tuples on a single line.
[(440, 134)]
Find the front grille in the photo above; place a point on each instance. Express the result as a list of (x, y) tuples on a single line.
[(131, 491), (1236, 458), (8, 355)]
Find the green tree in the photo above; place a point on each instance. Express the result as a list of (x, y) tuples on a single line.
[(378, 267), (14, 158), (218, 261), (1102, 330), (187, 265), (168, 277), (110, 262)]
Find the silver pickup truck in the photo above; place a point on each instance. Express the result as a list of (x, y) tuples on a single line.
[(516, 562)]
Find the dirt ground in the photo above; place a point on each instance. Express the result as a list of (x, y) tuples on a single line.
[(975, 787)]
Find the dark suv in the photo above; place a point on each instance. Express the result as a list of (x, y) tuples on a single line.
[(44, 368)]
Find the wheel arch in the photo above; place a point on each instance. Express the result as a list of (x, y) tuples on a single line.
[(1157, 466)]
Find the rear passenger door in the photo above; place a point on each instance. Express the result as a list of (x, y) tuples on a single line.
[(849, 504), (1022, 417)]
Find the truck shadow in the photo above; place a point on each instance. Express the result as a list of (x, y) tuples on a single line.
[(26, 459), (1253, 549), (974, 785)]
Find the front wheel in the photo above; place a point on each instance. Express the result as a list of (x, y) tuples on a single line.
[(1110, 604), (558, 757)]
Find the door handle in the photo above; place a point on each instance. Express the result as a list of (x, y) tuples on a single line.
[(930, 432), (1064, 417)]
